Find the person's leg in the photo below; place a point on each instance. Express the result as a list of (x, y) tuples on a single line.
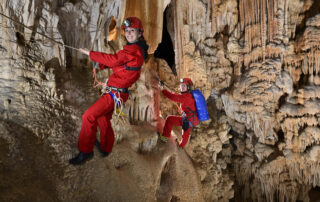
[(89, 122), (170, 122), (89, 128), (106, 133), (185, 137)]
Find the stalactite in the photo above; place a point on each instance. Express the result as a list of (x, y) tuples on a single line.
[(286, 19), (317, 62), (270, 8), (242, 13), (263, 29), (262, 13)]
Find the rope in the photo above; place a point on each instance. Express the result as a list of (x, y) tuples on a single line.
[(118, 105), (57, 42), (97, 83)]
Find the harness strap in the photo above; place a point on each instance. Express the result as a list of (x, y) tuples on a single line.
[(121, 90), (112, 95), (131, 68), (193, 116)]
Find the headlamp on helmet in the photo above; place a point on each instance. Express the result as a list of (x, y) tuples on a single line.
[(127, 23), (187, 81)]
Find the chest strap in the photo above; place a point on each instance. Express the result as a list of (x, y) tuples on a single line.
[(193, 116), (131, 68)]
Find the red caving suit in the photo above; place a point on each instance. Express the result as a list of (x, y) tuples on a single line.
[(184, 99), (100, 113)]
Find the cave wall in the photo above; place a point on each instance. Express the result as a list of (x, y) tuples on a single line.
[(257, 63)]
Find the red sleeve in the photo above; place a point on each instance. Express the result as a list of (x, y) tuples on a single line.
[(109, 60), (174, 96)]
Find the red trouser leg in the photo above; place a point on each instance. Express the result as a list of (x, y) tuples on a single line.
[(185, 137), (88, 131), (170, 122), (106, 132), (176, 121)]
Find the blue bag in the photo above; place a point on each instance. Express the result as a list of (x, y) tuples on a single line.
[(201, 105)]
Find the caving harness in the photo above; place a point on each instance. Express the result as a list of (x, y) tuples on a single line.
[(118, 102), (185, 119)]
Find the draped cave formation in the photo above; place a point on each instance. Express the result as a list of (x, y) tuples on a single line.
[(256, 61)]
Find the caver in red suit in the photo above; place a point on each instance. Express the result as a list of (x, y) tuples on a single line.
[(185, 99), (126, 66), (100, 113)]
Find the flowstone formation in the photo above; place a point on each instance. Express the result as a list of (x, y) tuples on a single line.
[(256, 62)]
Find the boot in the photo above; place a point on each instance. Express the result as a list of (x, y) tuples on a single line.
[(162, 138), (103, 153), (81, 158)]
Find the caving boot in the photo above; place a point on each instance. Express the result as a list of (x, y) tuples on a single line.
[(81, 158), (103, 153), (162, 138)]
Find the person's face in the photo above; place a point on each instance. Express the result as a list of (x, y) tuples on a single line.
[(183, 87), (132, 34)]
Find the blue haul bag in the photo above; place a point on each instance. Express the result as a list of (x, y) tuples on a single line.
[(201, 105)]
